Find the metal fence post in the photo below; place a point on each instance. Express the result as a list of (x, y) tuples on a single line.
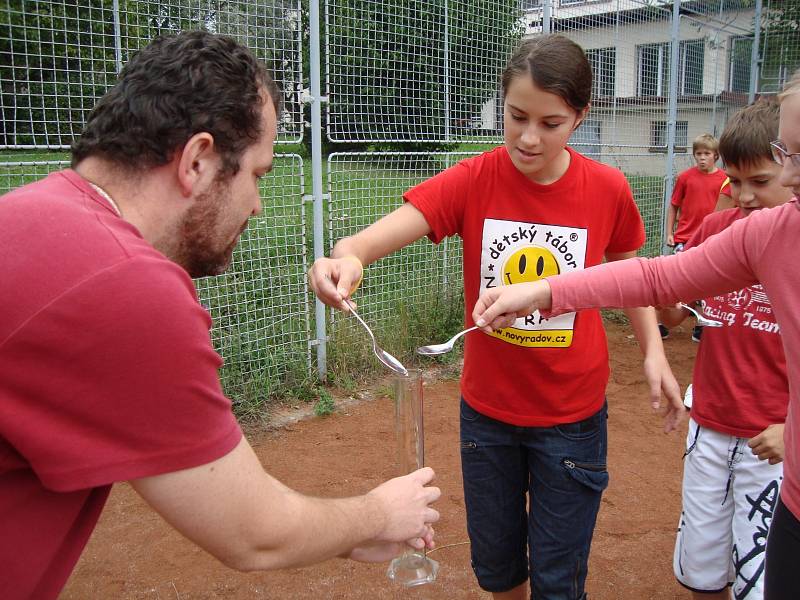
[(672, 118), (446, 71), (755, 53), (547, 13), (117, 36), (316, 177)]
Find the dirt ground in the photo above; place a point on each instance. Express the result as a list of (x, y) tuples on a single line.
[(133, 554)]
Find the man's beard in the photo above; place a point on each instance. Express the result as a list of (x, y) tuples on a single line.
[(200, 249)]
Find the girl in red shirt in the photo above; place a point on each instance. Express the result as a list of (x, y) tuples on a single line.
[(533, 411)]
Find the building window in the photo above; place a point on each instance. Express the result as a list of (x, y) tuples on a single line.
[(740, 68), (604, 63), (658, 136), (654, 68), (531, 4)]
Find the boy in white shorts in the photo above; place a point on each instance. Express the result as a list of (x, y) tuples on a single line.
[(732, 471)]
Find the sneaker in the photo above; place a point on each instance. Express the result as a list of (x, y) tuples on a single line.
[(664, 331), (696, 333)]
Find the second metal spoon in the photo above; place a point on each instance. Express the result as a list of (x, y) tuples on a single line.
[(701, 320), (434, 349)]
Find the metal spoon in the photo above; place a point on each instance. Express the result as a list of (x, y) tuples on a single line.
[(387, 359), (434, 349), (701, 320)]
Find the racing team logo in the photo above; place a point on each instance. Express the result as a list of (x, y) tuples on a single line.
[(739, 299), (517, 252)]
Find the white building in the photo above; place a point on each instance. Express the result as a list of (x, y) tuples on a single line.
[(628, 43)]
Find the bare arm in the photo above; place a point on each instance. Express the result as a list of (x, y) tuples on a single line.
[(672, 316), (656, 367), (249, 520), (672, 215), (334, 279)]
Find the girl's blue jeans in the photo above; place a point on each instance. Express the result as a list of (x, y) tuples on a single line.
[(547, 535)]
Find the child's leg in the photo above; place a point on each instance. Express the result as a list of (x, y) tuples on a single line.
[(755, 490), (495, 475), (702, 558), (568, 475)]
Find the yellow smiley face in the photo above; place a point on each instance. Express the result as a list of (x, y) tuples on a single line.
[(529, 264)]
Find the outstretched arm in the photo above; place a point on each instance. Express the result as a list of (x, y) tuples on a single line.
[(249, 520), (724, 262), (334, 279)]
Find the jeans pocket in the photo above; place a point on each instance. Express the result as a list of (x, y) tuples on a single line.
[(468, 413), (592, 475), (583, 430)]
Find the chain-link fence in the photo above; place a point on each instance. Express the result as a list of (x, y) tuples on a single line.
[(418, 77)]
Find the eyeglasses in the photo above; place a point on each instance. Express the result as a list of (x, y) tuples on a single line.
[(781, 155)]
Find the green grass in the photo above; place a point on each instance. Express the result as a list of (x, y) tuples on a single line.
[(648, 191), (325, 404)]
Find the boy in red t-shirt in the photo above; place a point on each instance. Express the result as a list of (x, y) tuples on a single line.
[(739, 395), (697, 191)]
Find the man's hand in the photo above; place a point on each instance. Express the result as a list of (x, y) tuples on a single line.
[(384, 552), (670, 240), (660, 379), (404, 502), (499, 307), (334, 279), (768, 445)]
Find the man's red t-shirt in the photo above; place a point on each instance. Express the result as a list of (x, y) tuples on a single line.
[(740, 384), (107, 374), (695, 194), (539, 372)]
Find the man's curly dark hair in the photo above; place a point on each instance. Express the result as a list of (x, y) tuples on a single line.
[(176, 87)]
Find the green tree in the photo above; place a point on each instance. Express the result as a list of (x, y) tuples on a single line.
[(780, 43), (410, 70), (57, 58)]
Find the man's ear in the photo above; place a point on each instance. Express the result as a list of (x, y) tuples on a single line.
[(581, 116), (198, 163)]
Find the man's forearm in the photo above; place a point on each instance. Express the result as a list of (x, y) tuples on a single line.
[(317, 529)]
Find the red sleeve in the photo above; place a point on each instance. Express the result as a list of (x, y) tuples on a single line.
[(680, 189), (130, 387), (628, 234), (441, 199)]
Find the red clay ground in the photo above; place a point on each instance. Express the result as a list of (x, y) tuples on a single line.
[(133, 554)]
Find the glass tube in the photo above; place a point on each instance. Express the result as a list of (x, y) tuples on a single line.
[(412, 567)]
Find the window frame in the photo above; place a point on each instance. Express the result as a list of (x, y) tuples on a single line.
[(659, 129), (604, 71), (663, 68)]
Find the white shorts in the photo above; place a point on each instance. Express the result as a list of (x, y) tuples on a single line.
[(729, 497)]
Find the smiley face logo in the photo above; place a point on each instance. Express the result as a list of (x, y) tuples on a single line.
[(529, 264)]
